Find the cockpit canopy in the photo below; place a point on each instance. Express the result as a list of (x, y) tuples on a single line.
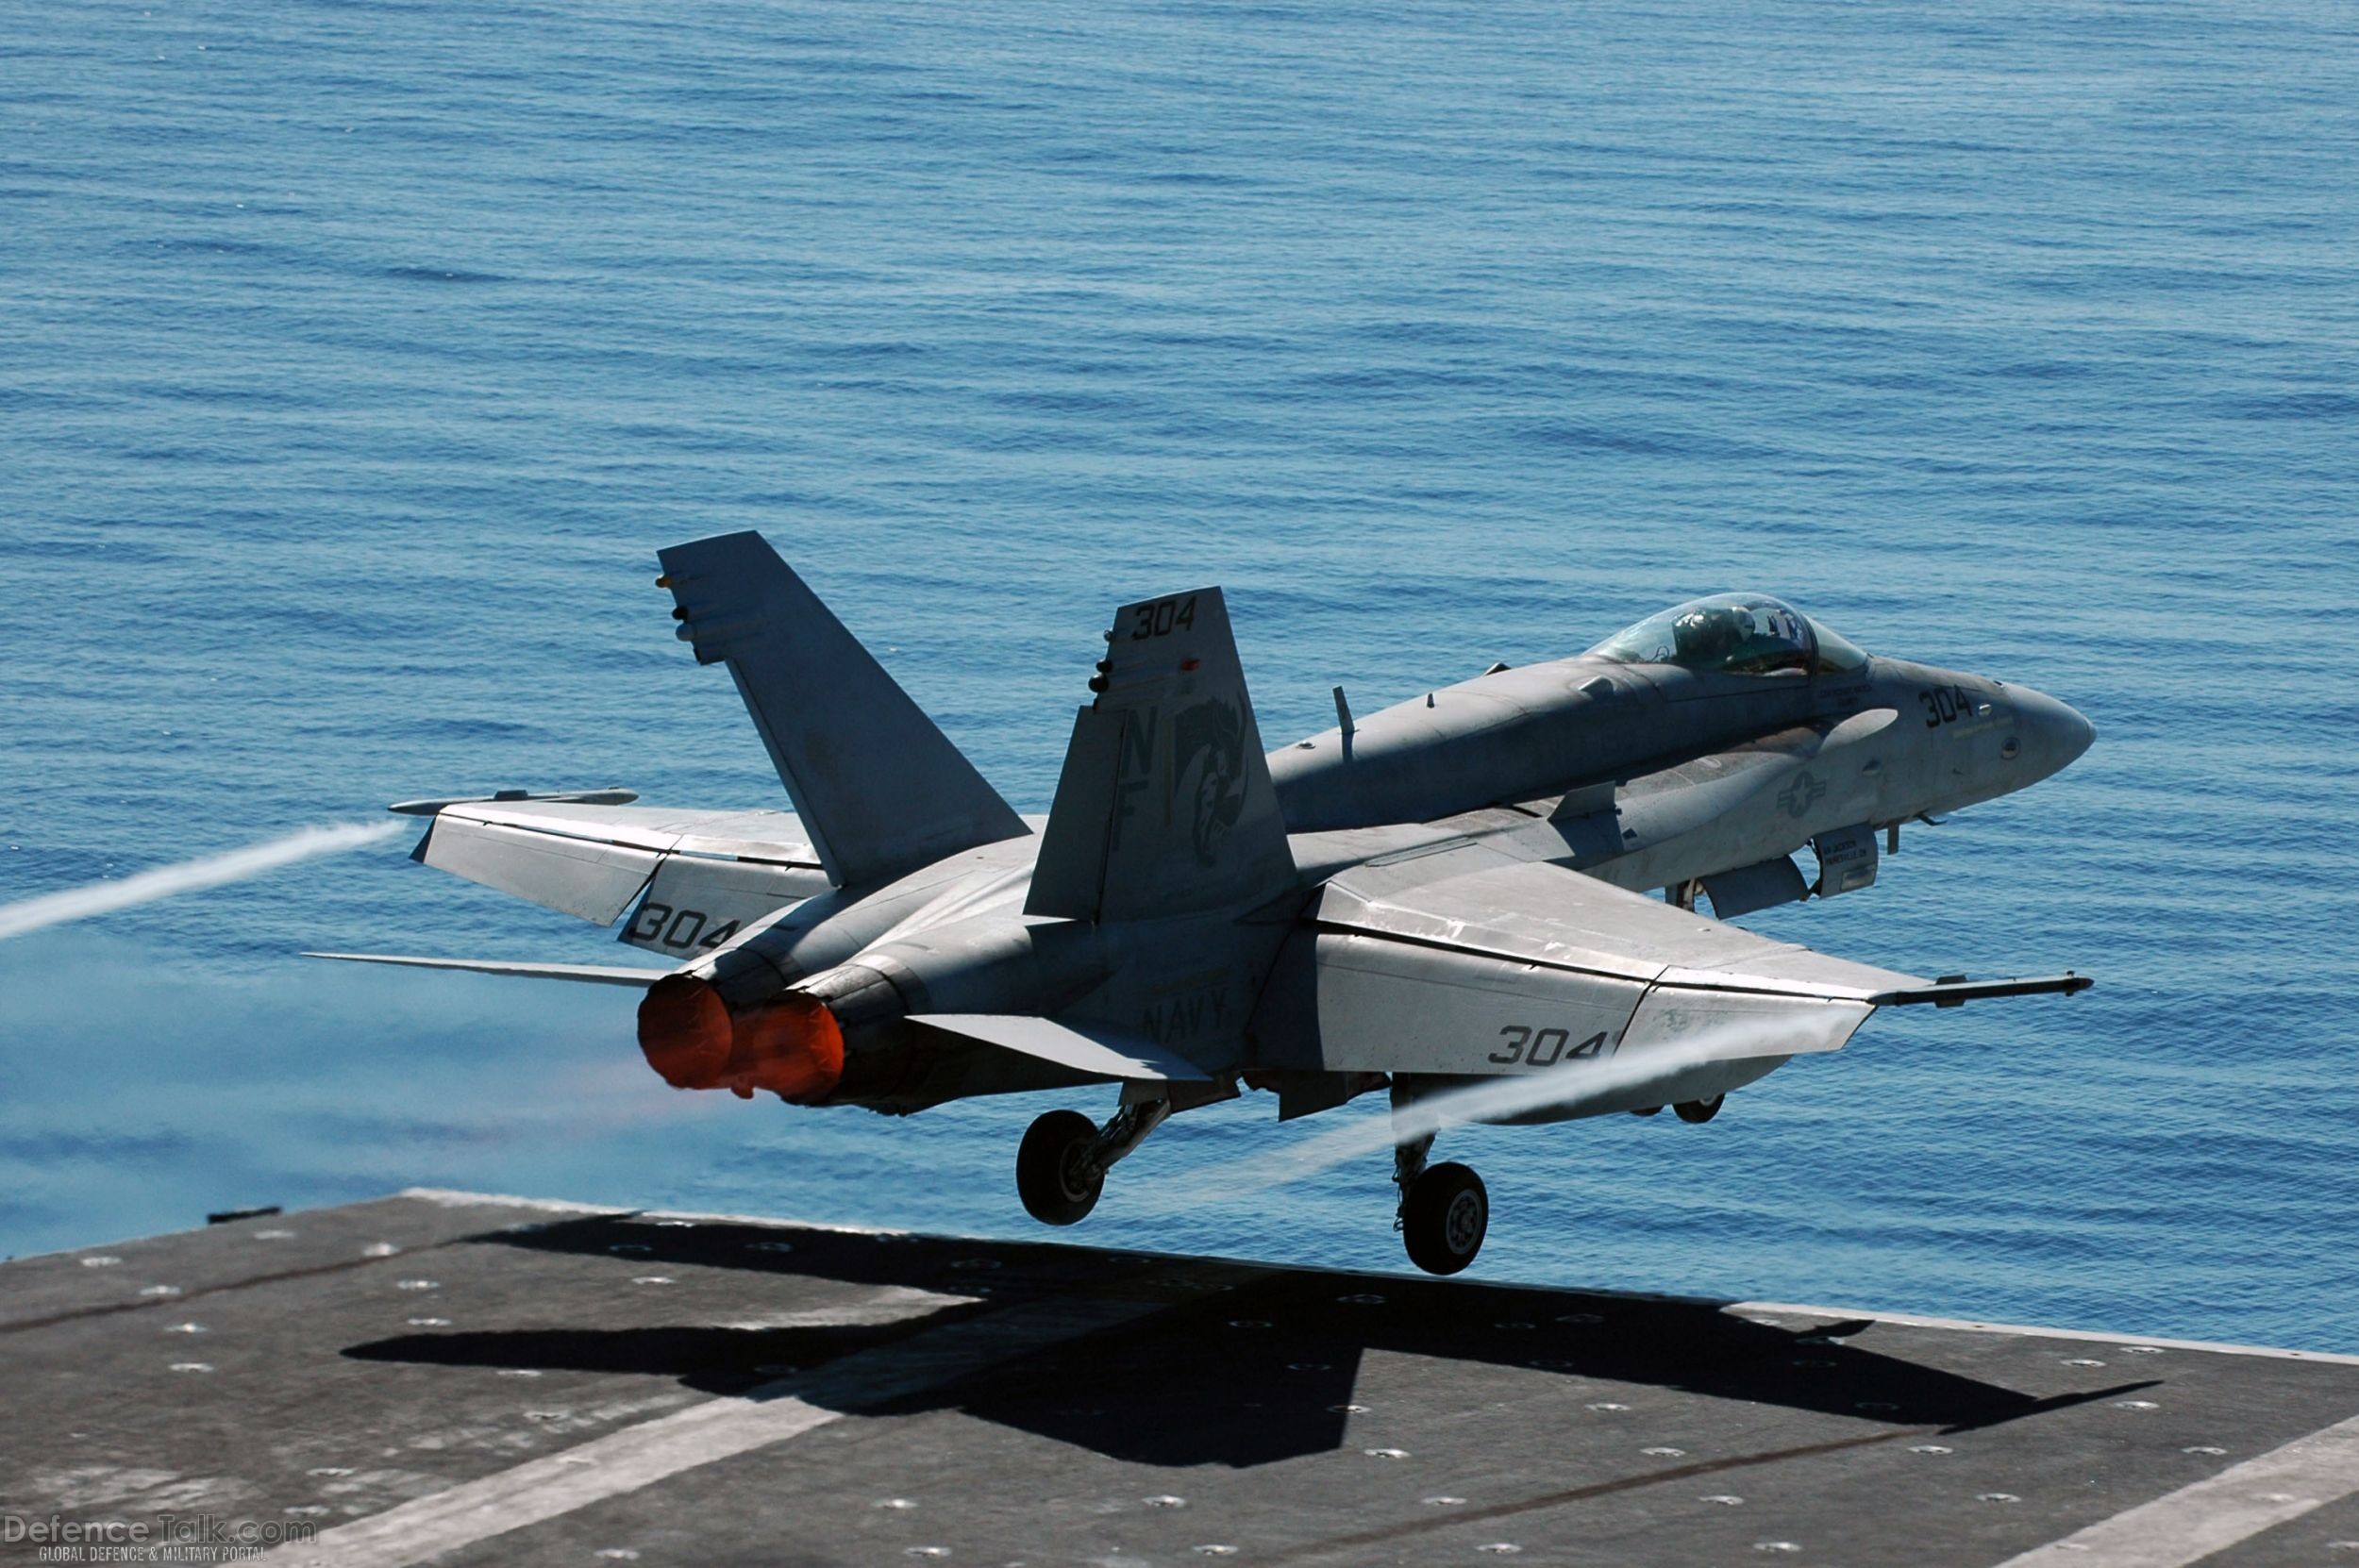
[(1749, 634)]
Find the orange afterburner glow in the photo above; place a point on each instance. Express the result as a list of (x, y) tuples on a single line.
[(791, 1045), (684, 1029)]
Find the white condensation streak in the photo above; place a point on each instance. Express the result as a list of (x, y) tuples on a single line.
[(213, 871), (637, 1456), (2240, 1502)]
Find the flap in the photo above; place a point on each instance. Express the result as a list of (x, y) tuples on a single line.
[(591, 861), (1495, 967), (1476, 901), (775, 837), (583, 878)]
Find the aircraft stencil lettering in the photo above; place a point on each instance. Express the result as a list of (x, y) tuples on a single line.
[(1184, 1018), (1317, 922), (1547, 1047), (1136, 765)]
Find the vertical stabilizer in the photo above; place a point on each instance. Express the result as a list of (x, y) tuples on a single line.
[(879, 790), (1166, 805)]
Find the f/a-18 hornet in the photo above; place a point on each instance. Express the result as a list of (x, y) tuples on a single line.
[(1455, 889)]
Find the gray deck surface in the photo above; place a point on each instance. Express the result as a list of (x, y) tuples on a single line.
[(452, 1378)]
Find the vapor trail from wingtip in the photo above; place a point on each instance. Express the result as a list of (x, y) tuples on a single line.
[(55, 908)]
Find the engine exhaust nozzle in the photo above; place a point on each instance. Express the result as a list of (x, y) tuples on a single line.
[(789, 1045)]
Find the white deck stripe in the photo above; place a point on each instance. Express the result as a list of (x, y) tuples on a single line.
[(2235, 1505), (717, 1429)]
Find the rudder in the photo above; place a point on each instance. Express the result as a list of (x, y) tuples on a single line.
[(1166, 805), (879, 789)]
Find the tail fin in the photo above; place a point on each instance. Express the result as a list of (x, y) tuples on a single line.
[(1166, 805), (881, 790)]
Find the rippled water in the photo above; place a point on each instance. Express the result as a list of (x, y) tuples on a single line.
[(358, 357)]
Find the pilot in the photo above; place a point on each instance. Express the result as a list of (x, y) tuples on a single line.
[(1709, 637)]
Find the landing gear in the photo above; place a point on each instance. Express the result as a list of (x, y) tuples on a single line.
[(1444, 1217), (1698, 1112), (1061, 1166), (1444, 1210), (1052, 1173)]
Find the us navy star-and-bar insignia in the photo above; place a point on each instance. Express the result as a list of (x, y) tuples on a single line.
[(1800, 796)]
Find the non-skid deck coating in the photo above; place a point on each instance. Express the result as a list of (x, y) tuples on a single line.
[(446, 1378)]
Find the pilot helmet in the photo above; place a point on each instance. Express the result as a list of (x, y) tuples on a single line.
[(1710, 632)]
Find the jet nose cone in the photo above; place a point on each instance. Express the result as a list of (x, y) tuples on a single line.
[(2055, 733)]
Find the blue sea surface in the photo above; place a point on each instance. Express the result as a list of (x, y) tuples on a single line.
[(357, 358)]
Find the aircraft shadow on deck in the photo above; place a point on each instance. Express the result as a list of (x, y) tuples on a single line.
[(1245, 1375)]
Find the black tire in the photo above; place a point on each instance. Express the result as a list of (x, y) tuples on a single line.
[(1647, 1110), (1698, 1112), (1047, 1175), (1448, 1214)]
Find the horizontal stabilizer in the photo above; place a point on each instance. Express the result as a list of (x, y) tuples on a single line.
[(1101, 1053), (592, 973)]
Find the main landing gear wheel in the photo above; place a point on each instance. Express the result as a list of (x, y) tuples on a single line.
[(1698, 1112), (1444, 1218), (1053, 1173)]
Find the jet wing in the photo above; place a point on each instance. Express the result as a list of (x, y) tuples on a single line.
[(1460, 961), (703, 871), (594, 973)]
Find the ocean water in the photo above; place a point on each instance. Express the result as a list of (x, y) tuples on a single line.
[(357, 356)]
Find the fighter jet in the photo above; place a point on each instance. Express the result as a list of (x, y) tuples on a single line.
[(1451, 892)]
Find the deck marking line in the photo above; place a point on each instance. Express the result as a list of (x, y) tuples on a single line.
[(1358, 1541), (2240, 1502), (2032, 1331), (717, 1429)]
